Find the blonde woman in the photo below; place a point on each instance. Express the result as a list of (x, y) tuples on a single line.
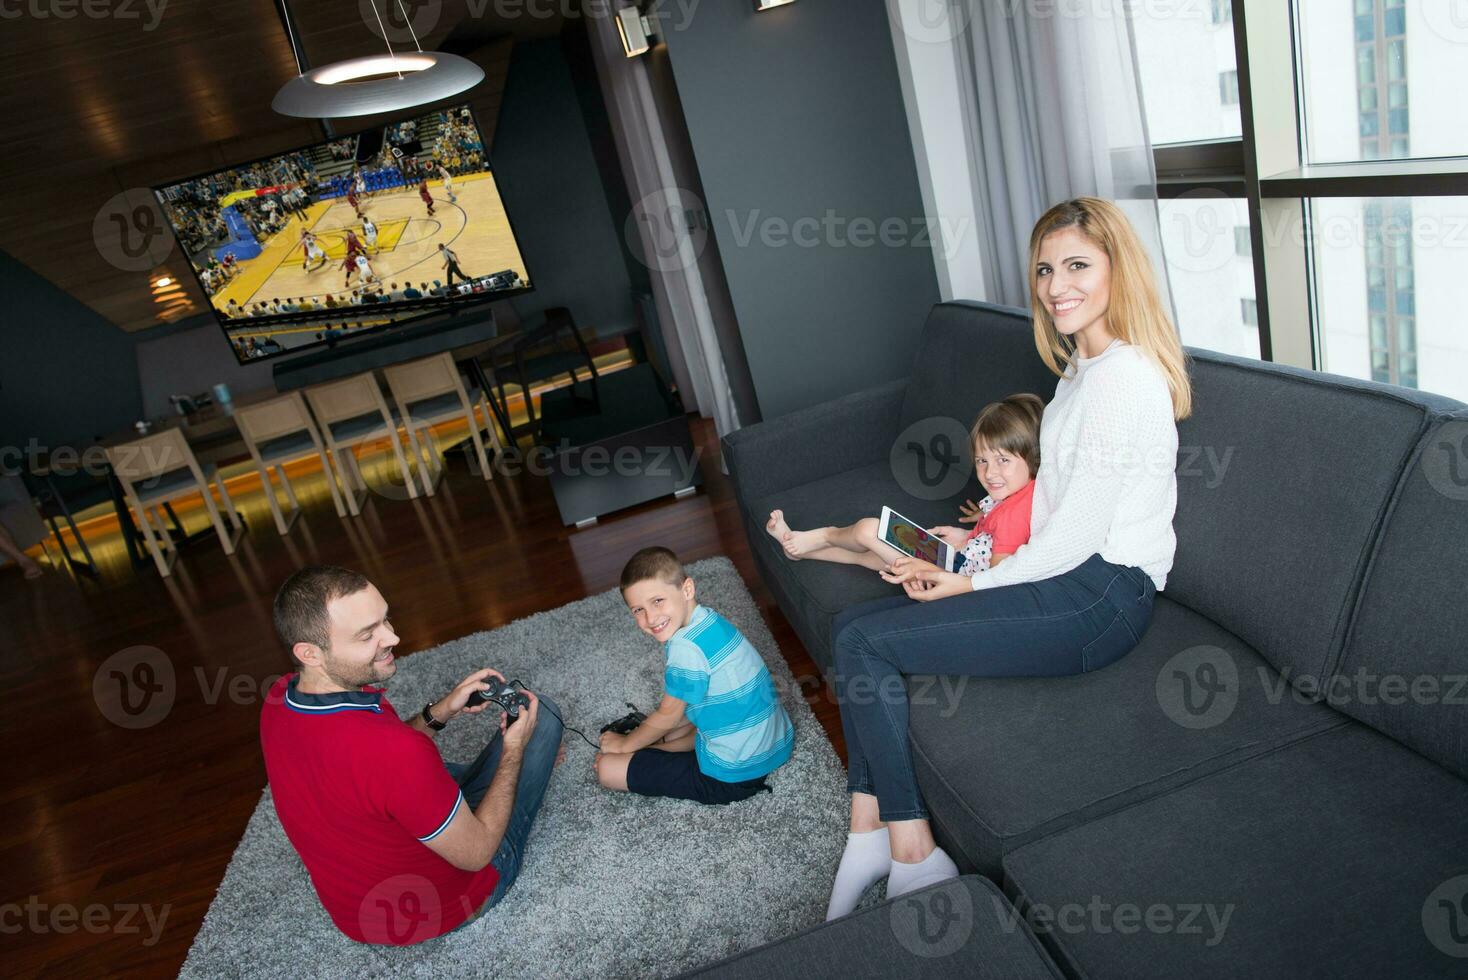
[(1100, 548)]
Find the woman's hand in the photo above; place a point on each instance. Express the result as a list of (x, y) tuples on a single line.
[(969, 513), (925, 582)]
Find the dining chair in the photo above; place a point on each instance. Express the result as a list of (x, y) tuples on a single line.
[(281, 431), (158, 469), (352, 412), (429, 391)]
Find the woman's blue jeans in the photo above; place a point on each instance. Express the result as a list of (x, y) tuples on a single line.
[(1069, 624)]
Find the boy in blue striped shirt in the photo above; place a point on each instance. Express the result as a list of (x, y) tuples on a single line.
[(720, 729)]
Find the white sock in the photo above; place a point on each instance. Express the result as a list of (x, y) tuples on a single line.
[(932, 869), (866, 861)]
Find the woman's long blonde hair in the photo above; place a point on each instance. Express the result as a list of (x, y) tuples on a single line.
[(1135, 313)]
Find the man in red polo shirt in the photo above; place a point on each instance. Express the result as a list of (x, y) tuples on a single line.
[(400, 846)]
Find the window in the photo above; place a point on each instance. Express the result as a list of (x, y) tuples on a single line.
[(1228, 87), (1406, 58), (1385, 273), (1183, 54), (1250, 312), (1210, 268)]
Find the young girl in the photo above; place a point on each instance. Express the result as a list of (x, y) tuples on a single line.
[(1006, 444)]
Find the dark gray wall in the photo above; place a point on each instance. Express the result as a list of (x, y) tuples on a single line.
[(793, 113), (66, 373), (552, 185)]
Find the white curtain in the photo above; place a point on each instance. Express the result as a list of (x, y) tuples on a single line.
[(1053, 108), (664, 226)]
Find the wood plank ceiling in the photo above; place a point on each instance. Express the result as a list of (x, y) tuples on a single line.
[(102, 99)]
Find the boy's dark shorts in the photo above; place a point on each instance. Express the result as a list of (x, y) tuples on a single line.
[(653, 772)]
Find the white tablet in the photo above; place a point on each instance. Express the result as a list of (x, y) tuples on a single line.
[(913, 539)]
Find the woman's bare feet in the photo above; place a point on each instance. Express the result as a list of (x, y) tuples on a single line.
[(777, 527)]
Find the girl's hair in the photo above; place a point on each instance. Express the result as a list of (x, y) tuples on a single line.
[(1012, 426), (1135, 313)]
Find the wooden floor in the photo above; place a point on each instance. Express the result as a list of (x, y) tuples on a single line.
[(100, 821)]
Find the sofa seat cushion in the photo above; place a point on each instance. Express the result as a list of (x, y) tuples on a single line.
[(963, 928), (1341, 855), (1002, 761), (821, 589)]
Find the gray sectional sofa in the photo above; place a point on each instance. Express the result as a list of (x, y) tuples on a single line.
[(1273, 782)]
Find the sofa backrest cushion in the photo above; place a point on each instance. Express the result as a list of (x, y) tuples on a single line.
[(1405, 666), (1283, 479), (972, 354)]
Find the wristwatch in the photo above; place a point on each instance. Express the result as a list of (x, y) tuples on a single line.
[(430, 721)]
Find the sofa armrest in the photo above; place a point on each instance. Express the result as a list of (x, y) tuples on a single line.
[(815, 442)]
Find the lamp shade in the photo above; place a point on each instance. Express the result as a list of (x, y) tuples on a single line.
[(378, 83)]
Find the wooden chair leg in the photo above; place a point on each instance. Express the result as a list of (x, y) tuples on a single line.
[(229, 508), (479, 447), (397, 451), (151, 542), (225, 539), (156, 513), (275, 513), (331, 485), (290, 491)]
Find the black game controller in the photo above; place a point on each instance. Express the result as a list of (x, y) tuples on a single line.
[(626, 724), (509, 695)]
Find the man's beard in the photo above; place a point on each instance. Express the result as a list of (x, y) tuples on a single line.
[(353, 676)]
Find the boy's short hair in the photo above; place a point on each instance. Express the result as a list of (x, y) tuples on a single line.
[(653, 563), (300, 606), (1012, 426)]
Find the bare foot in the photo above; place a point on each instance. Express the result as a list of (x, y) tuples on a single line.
[(560, 755), (798, 544), (777, 527)]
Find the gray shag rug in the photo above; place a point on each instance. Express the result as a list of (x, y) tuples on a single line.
[(613, 885)]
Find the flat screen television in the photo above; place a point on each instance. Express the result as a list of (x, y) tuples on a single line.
[(350, 235)]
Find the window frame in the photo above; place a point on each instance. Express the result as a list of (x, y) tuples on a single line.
[(1266, 167)]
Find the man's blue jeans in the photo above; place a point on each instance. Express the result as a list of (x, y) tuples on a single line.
[(1070, 624), (535, 771)]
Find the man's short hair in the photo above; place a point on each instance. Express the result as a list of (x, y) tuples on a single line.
[(300, 605), (653, 563)]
